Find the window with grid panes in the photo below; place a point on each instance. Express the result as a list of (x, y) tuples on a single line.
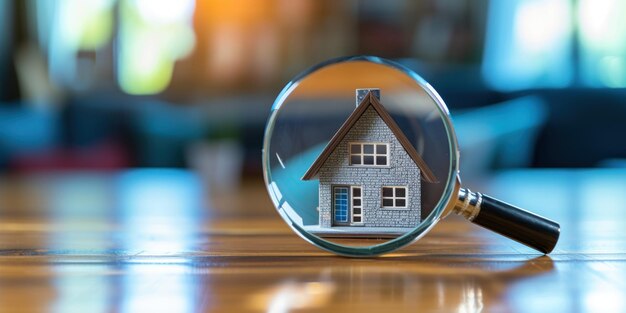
[(369, 154), (394, 197)]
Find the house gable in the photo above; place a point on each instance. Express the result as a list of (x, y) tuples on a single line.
[(371, 104), (368, 129)]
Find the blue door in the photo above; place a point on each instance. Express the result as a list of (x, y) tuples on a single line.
[(340, 202)]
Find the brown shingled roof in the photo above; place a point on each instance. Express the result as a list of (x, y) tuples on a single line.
[(370, 100)]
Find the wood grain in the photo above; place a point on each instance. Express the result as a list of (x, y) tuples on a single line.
[(234, 254)]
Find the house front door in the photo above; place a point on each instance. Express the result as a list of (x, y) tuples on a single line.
[(347, 205)]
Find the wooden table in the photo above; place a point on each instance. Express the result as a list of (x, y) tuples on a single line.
[(155, 241)]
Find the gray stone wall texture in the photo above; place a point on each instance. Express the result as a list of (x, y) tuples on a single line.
[(402, 171)]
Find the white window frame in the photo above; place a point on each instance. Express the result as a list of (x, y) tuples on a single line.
[(362, 154), (394, 197), (352, 206)]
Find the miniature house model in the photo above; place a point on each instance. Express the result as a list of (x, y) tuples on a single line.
[(369, 174)]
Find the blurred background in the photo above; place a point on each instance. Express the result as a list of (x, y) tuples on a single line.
[(171, 97)]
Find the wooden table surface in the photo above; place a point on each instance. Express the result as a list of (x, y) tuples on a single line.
[(157, 241)]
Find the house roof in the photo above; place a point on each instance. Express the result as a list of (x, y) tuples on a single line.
[(370, 101)]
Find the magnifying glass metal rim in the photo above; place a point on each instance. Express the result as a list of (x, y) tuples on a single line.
[(443, 207)]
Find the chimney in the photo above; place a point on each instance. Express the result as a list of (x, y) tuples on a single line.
[(362, 92)]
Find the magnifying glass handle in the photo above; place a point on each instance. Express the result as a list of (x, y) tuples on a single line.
[(508, 220)]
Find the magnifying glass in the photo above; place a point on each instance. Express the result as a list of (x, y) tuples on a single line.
[(360, 158)]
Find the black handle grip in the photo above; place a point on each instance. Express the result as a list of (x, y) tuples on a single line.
[(522, 226)]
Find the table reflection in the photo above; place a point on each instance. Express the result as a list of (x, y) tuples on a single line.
[(160, 211), (160, 214), (148, 240), (130, 215), (414, 283), (159, 288), (83, 288)]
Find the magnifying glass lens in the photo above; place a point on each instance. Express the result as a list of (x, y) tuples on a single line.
[(358, 154), (360, 158)]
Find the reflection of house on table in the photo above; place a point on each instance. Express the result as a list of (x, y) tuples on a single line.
[(369, 175)]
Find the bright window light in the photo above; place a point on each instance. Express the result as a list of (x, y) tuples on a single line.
[(164, 11), (153, 36), (528, 44), (84, 24), (70, 26), (602, 25), (539, 25)]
